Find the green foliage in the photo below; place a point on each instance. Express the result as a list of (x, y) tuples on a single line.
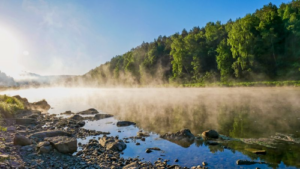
[(9, 105), (262, 46)]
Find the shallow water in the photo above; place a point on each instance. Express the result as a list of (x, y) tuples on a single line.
[(235, 112)]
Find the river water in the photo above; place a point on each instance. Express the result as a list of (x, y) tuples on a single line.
[(234, 112)]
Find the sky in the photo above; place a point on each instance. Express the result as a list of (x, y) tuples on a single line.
[(71, 37)]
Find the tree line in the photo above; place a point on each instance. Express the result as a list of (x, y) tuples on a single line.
[(264, 45)]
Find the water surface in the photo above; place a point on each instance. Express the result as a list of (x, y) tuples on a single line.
[(235, 112)]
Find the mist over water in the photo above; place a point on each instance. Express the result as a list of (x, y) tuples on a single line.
[(236, 112)]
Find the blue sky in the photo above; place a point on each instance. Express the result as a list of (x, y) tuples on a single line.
[(73, 36)]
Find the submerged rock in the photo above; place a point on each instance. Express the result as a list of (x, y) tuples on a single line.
[(112, 143), (21, 140), (125, 123), (210, 134), (63, 144), (89, 112), (102, 116)]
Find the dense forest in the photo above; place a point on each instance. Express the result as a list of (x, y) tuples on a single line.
[(261, 46)]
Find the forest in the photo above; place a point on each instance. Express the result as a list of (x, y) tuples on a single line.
[(262, 46)]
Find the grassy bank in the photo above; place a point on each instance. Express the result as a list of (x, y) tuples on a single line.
[(9, 105)]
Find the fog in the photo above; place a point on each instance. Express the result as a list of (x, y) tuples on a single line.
[(238, 112)]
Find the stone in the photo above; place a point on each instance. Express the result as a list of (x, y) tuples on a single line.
[(67, 112), (40, 105), (21, 140), (43, 134), (27, 121), (63, 144), (4, 157), (125, 123), (246, 162), (210, 134), (204, 163), (102, 116), (44, 147), (183, 137), (176, 160), (148, 150), (133, 165), (142, 134), (112, 143), (89, 112), (76, 117)]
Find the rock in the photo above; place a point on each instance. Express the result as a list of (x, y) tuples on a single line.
[(43, 134), (102, 116), (76, 117), (142, 134), (204, 163), (134, 165), (4, 157), (44, 147), (89, 112), (40, 105), (112, 144), (155, 148), (183, 137), (148, 150), (137, 143), (81, 123), (210, 134), (67, 112), (11, 129), (21, 140), (63, 144), (125, 123), (28, 121), (176, 160)]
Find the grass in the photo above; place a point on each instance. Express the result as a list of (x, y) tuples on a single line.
[(9, 105)]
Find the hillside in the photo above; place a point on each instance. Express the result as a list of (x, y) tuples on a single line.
[(262, 46)]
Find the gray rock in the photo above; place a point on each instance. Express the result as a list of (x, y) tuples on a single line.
[(63, 144), (21, 140), (24, 121), (112, 144), (183, 137), (210, 134)]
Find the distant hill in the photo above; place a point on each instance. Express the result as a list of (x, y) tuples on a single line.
[(6, 80)]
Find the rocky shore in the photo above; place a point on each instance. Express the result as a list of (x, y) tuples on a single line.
[(35, 139)]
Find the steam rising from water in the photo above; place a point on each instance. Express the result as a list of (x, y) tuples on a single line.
[(238, 112)]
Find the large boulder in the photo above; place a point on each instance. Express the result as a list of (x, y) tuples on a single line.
[(89, 112), (63, 144), (124, 123), (112, 143), (52, 133), (21, 140), (183, 137), (210, 134)]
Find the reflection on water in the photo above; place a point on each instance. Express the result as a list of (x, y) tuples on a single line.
[(235, 112)]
